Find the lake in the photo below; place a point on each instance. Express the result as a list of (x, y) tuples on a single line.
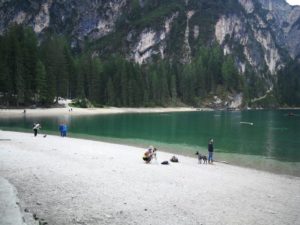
[(262, 139)]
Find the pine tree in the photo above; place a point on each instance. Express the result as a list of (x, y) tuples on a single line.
[(230, 74), (30, 57), (71, 73), (19, 79), (97, 75), (5, 82), (200, 77), (163, 84), (79, 78), (16, 64), (173, 90), (41, 83), (110, 93)]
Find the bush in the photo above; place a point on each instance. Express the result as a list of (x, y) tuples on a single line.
[(82, 103)]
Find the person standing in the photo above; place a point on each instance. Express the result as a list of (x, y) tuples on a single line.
[(210, 151), (36, 127), (64, 130), (61, 129)]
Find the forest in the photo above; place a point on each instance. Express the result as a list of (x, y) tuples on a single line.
[(38, 72)]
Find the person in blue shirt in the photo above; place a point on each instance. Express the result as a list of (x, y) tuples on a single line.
[(64, 130)]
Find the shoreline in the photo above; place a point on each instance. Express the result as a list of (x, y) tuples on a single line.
[(40, 112), (77, 181), (67, 110), (253, 162), (276, 167)]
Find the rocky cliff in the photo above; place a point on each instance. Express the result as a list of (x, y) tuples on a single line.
[(260, 33)]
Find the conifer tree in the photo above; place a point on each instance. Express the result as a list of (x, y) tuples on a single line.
[(110, 93), (41, 83), (30, 57)]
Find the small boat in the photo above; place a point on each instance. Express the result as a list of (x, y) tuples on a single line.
[(248, 123)]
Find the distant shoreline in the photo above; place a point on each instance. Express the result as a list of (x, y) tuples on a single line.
[(91, 111), (289, 108), (67, 110)]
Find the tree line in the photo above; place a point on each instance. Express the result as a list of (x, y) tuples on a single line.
[(36, 72)]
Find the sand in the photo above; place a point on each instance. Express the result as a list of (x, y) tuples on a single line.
[(75, 181), (40, 112)]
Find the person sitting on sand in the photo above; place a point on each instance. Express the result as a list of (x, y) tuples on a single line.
[(149, 154)]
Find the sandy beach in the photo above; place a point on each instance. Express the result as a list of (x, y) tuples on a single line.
[(40, 112), (74, 181)]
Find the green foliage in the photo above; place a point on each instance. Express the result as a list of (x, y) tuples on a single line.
[(32, 74), (81, 103), (39, 74), (270, 101), (55, 60), (41, 83), (18, 52), (157, 15), (230, 74), (288, 84), (135, 12)]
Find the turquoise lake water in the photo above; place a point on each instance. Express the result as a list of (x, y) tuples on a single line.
[(272, 143)]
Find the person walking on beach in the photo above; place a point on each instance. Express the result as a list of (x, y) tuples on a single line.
[(210, 151), (36, 127)]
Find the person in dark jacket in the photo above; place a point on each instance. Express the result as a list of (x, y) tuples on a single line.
[(210, 151)]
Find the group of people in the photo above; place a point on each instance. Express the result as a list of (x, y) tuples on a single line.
[(148, 155), (151, 153)]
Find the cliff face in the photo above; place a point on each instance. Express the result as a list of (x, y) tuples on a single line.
[(79, 19), (261, 33), (252, 32), (285, 22)]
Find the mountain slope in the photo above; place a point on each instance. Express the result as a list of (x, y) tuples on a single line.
[(267, 26), (262, 36)]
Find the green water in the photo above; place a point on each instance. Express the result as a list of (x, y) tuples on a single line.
[(272, 143)]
